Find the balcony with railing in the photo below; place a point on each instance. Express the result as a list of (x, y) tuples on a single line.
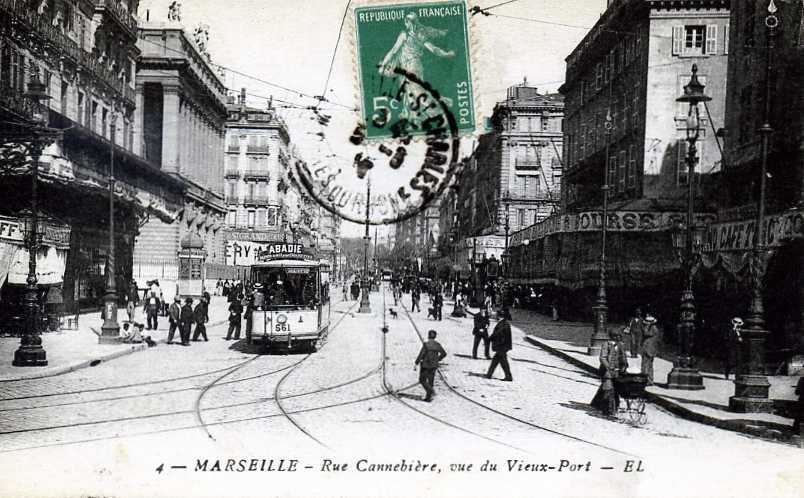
[(119, 12), (232, 200), (256, 149), (233, 147), (527, 164), (255, 200), (231, 173), (256, 174)]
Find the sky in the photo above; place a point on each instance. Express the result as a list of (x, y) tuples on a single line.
[(290, 43)]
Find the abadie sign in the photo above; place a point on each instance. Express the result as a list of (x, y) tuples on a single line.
[(245, 253)]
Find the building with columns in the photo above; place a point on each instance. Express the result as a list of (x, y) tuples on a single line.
[(180, 124)]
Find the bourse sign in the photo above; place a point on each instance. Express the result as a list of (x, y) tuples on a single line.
[(245, 253)]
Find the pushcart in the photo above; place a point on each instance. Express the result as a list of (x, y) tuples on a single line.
[(631, 390)]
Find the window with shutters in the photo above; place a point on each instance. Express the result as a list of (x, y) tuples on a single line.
[(726, 39), (251, 218), (598, 76), (261, 218), (611, 177), (272, 217), (682, 173), (631, 166), (695, 40), (711, 39), (621, 174)]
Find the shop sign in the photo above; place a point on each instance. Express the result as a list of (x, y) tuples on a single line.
[(245, 253), (12, 230), (618, 221), (739, 235)]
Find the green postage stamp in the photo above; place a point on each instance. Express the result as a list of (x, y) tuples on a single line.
[(405, 51)]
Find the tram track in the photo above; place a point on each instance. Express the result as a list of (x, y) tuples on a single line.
[(500, 413)]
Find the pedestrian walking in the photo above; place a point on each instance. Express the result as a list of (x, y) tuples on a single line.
[(480, 332), (438, 304), (732, 346), (415, 295), (186, 321), (429, 356), (152, 306), (235, 315), (174, 315), (650, 346), (613, 363), (200, 314), (501, 343)]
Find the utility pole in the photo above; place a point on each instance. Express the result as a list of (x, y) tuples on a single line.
[(365, 304)]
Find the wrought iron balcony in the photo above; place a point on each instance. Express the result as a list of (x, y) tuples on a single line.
[(232, 201), (230, 147), (256, 174), (119, 13), (256, 149), (527, 165), (255, 200), (231, 173), (13, 99)]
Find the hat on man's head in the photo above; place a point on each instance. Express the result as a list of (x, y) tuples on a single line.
[(189, 300), (431, 334), (650, 319)]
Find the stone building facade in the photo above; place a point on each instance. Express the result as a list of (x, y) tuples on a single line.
[(256, 158), (85, 53), (180, 122)]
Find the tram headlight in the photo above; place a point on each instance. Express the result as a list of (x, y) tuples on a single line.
[(282, 319)]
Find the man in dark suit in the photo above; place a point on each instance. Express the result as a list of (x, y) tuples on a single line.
[(480, 331), (501, 344), (438, 303), (201, 318), (235, 314), (186, 321), (431, 353)]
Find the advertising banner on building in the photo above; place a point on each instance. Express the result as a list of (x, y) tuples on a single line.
[(739, 235), (618, 221), (245, 253)]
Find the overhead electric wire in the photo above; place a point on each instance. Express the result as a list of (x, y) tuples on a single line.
[(335, 50)]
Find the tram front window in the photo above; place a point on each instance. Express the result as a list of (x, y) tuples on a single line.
[(288, 288)]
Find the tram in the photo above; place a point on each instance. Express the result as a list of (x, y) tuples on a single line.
[(291, 306)]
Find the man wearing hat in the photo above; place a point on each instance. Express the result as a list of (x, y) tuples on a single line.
[(733, 339), (613, 363), (650, 346), (431, 353), (186, 321), (501, 343), (174, 315)]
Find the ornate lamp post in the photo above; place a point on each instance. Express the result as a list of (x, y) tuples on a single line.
[(600, 309), (30, 352), (751, 386), (684, 374), (365, 304), (110, 330)]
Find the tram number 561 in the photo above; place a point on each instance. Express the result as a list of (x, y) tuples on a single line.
[(282, 327)]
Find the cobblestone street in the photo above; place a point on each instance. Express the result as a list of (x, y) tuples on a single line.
[(172, 406)]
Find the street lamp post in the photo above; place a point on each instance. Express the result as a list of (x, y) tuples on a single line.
[(599, 334), (365, 304), (30, 352), (684, 374), (110, 330), (507, 227), (751, 385)]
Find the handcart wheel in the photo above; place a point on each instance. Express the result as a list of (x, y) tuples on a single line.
[(636, 411)]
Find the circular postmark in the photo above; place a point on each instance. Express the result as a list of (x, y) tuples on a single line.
[(393, 179)]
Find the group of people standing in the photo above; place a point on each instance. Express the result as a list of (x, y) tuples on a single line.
[(182, 318)]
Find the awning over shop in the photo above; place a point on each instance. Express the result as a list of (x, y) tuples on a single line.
[(50, 265)]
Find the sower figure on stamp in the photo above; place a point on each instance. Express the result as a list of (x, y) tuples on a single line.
[(174, 315), (431, 353), (613, 362), (501, 344)]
